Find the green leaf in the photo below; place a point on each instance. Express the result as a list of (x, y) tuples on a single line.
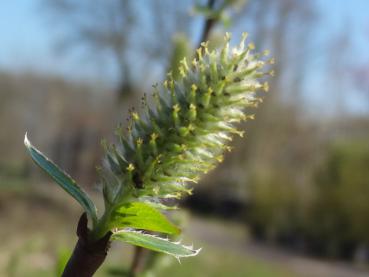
[(140, 215), (155, 243), (63, 179)]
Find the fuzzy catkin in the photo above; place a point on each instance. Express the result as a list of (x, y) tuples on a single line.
[(184, 134)]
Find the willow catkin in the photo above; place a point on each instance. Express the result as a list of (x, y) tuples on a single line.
[(185, 133)]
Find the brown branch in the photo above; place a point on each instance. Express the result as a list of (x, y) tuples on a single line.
[(87, 256), (209, 24), (136, 265)]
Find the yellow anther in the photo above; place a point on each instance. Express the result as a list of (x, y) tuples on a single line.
[(259, 64), (154, 136), (176, 108), (135, 116), (182, 71), (227, 37), (184, 63), (130, 167), (251, 46), (220, 159), (205, 44), (194, 62), (242, 43), (266, 52), (228, 148)]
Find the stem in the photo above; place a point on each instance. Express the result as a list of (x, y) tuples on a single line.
[(101, 228), (88, 255)]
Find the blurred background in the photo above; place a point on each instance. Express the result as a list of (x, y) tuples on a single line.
[(292, 199)]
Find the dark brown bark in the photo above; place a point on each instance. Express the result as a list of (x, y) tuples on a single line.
[(87, 256)]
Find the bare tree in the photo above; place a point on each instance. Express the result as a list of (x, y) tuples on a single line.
[(126, 32)]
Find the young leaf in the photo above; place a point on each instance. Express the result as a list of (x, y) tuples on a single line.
[(139, 215), (155, 243), (63, 179)]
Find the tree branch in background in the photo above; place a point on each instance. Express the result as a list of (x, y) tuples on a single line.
[(139, 254), (209, 24)]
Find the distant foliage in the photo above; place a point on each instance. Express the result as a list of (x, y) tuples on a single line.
[(340, 212), (330, 220)]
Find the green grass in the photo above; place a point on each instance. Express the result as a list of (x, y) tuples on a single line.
[(212, 262), (39, 227), (216, 262)]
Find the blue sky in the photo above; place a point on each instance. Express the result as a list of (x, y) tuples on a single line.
[(28, 43), (336, 14), (24, 36), (27, 40)]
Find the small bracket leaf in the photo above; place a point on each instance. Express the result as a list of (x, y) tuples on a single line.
[(62, 179), (140, 215), (155, 243)]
